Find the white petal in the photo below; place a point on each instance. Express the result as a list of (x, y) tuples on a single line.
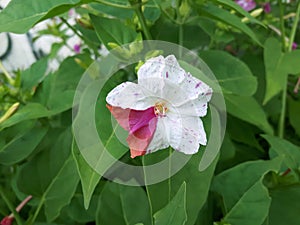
[(150, 75), (186, 134), (130, 95), (194, 107), (160, 138), (196, 88), (173, 94), (153, 74), (173, 72)]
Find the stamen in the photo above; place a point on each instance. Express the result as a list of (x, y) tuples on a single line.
[(160, 109)]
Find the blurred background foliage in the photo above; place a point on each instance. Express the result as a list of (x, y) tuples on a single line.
[(251, 46)]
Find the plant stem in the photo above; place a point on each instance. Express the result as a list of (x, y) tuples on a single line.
[(11, 207), (282, 27), (294, 28), (77, 33), (281, 124), (180, 39), (289, 49), (72, 28), (37, 211), (170, 170), (283, 110), (147, 190), (138, 10)]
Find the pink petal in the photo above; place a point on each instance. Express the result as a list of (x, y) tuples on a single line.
[(121, 115), (7, 220), (141, 125)]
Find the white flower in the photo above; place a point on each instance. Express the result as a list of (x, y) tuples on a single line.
[(163, 109)]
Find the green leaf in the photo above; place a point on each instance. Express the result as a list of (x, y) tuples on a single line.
[(246, 200), (20, 15), (243, 132), (290, 62), (233, 183), (294, 108), (51, 175), (233, 75), (252, 208), (175, 212), (286, 149), (219, 14), (78, 213), (26, 136), (240, 10), (113, 11), (58, 89), (112, 31), (196, 182), (278, 66), (247, 108), (54, 96), (119, 204), (28, 112), (285, 205), (103, 148), (31, 77), (89, 177), (275, 75)]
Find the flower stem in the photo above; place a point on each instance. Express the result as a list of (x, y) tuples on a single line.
[(294, 28), (11, 207), (170, 169), (282, 27), (77, 33), (37, 211), (180, 39), (289, 49), (138, 10), (23, 203), (296, 89), (283, 110)]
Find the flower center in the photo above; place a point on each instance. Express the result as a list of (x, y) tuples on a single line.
[(160, 109)]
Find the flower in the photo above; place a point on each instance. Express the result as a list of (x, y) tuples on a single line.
[(294, 45), (296, 89), (267, 7), (76, 48), (247, 5), (8, 220), (163, 109)]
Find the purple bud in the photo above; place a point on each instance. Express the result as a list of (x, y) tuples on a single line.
[(294, 45), (267, 7), (247, 5), (77, 48)]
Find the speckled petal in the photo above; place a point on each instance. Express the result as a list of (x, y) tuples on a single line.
[(160, 138), (195, 88), (150, 75), (173, 72), (195, 107), (130, 95), (186, 134), (153, 74)]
